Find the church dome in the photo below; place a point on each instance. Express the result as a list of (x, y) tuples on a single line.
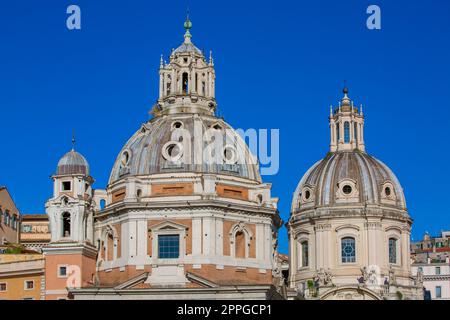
[(348, 178), (173, 144), (72, 163)]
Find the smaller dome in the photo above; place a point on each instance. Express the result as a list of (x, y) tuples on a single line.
[(72, 163)]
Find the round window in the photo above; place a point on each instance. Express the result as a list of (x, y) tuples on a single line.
[(229, 155), (172, 151), (347, 189), (307, 194), (387, 191), (177, 125)]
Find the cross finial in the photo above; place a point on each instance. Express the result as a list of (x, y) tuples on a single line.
[(345, 90), (187, 26), (73, 139)]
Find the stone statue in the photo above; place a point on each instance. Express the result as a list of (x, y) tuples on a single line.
[(365, 274), (373, 278), (392, 279), (323, 277), (419, 278)]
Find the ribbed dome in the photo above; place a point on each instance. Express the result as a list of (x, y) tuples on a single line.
[(72, 163), (348, 178), (147, 150), (187, 47)]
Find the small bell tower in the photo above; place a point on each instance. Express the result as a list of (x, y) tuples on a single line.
[(70, 256)]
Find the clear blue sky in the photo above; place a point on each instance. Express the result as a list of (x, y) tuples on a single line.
[(279, 64)]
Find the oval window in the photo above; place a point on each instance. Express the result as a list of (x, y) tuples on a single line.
[(177, 125), (125, 158), (387, 191), (307, 194)]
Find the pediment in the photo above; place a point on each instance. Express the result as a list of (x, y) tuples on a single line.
[(168, 225)]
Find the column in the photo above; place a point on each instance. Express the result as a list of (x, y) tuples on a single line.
[(259, 237), (161, 85), (219, 236), (141, 238), (173, 83), (196, 236), (209, 85)]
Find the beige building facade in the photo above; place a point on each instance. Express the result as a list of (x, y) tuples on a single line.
[(35, 231), (9, 219), (21, 277)]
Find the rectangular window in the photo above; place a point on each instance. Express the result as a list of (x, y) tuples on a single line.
[(62, 271), (392, 250), (438, 270), (66, 186), (438, 292), (348, 250), (29, 285), (305, 254), (26, 228), (168, 246), (28, 298), (3, 286)]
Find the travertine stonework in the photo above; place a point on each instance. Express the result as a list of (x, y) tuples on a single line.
[(349, 229), (162, 184)]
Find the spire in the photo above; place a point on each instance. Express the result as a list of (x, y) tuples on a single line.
[(73, 140), (211, 60), (345, 101), (161, 62), (187, 27)]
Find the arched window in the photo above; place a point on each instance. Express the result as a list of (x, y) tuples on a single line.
[(66, 224), (14, 222), (110, 247), (240, 244), (102, 204), (355, 132), (168, 84), (392, 250), (305, 253), (185, 83), (338, 132), (260, 198), (346, 132), (348, 250), (7, 221)]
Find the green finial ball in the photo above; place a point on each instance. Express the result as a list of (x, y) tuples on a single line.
[(187, 24)]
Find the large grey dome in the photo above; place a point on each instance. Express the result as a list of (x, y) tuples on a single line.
[(348, 178), (72, 163), (146, 151)]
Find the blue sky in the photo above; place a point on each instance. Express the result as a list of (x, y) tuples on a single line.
[(278, 64)]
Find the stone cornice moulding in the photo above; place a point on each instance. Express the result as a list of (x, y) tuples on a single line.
[(347, 226)]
